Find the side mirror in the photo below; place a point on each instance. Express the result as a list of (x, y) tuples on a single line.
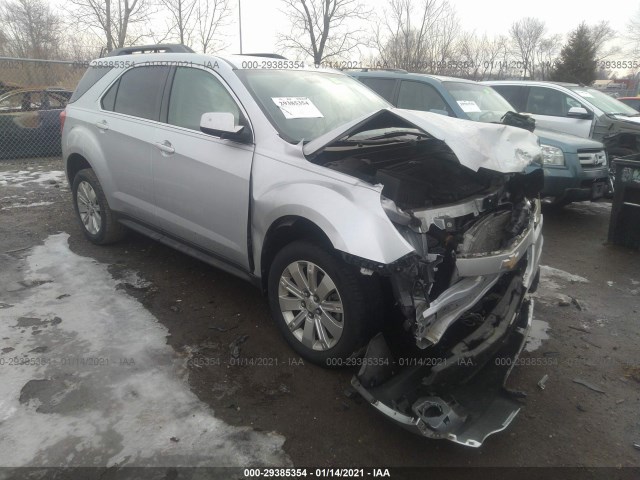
[(579, 112), (220, 124)]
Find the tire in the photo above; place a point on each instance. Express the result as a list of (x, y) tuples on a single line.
[(340, 334), (615, 152), (96, 218)]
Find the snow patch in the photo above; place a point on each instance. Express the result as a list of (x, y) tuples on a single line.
[(23, 178), (97, 384), (27, 205), (552, 280)]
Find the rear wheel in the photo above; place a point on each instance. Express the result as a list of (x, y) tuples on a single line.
[(92, 209), (322, 306)]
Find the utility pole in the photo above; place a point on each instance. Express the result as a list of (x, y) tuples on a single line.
[(240, 22)]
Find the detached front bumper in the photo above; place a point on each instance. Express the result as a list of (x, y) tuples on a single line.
[(466, 413)]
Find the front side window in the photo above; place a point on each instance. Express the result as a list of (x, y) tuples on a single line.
[(420, 96), (547, 101), (194, 92), (138, 92)]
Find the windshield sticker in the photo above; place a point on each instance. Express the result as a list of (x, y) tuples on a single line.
[(468, 106), (583, 93), (297, 107)]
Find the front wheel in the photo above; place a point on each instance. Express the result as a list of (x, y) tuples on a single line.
[(322, 306)]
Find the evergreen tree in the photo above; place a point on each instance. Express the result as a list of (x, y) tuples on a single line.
[(577, 58)]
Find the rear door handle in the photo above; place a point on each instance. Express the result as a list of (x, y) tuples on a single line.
[(165, 146), (102, 125)]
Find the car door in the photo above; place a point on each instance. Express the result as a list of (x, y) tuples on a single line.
[(550, 109), (125, 129), (202, 182)]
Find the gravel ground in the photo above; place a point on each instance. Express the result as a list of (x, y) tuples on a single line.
[(586, 329)]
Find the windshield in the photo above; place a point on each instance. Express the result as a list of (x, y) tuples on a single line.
[(479, 102), (604, 102), (303, 105)]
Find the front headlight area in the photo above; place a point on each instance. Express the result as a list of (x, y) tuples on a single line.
[(552, 156)]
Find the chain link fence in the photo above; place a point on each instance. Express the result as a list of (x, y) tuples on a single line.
[(32, 95)]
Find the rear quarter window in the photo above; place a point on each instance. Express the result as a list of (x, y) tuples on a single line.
[(88, 80)]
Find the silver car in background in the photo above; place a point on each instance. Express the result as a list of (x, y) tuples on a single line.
[(354, 217)]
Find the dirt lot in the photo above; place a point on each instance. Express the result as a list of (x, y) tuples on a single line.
[(587, 329)]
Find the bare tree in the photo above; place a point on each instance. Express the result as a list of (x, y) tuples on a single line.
[(483, 58), (632, 35), (115, 22), (212, 16), (31, 29), (324, 29), (181, 15), (422, 46), (526, 35), (601, 33), (545, 55)]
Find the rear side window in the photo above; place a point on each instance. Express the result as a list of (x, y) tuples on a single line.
[(513, 94), (89, 79), (382, 86), (195, 92), (420, 96), (139, 92)]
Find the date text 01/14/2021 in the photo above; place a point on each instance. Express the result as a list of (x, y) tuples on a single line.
[(317, 472)]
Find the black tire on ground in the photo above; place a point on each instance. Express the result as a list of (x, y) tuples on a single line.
[(110, 230), (360, 296), (615, 152)]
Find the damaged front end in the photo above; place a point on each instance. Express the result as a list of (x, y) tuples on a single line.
[(476, 236)]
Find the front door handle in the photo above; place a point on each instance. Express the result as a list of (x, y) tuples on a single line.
[(102, 125), (165, 146)]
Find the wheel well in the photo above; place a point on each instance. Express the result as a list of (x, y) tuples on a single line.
[(284, 231), (75, 163)]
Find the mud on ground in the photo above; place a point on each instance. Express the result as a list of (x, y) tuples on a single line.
[(587, 329)]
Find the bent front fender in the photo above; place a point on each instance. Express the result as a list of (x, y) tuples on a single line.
[(349, 214)]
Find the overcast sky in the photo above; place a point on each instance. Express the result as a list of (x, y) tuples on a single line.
[(262, 20)]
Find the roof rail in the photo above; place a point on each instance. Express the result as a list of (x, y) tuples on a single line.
[(266, 55), (160, 48)]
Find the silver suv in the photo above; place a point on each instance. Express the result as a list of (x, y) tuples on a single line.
[(577, 110), (353, 216)]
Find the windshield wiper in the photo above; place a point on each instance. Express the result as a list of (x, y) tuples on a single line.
[(395, 133)]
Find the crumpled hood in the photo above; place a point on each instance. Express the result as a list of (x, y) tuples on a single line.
[(477, 145)]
